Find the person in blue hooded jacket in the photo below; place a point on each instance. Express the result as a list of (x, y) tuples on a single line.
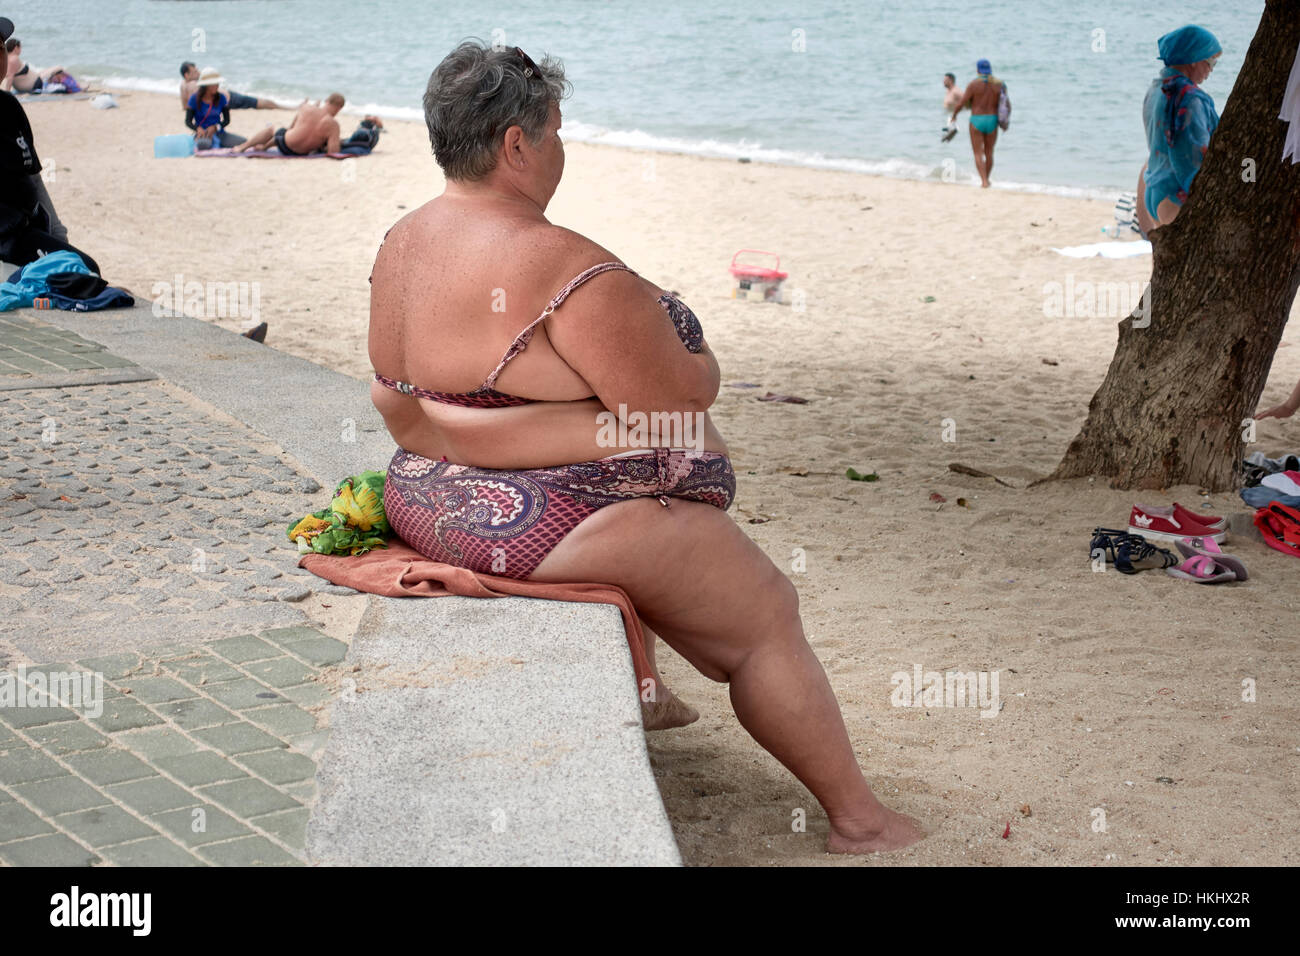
[(1180, 119)]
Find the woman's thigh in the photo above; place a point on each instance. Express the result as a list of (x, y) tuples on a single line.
[(692, 574)]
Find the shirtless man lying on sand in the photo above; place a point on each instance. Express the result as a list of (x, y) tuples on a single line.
[(313, 130)]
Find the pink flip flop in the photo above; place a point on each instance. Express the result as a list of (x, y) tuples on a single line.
[(1208, 548)]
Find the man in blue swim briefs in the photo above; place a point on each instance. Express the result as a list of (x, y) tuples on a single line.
[(982, 94)]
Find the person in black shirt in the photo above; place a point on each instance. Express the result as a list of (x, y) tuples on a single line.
[(25, 226)]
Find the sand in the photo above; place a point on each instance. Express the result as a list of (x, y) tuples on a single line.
[(1123, 737)]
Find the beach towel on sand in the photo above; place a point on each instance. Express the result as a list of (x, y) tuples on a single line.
[(401, 571), (264, 154)]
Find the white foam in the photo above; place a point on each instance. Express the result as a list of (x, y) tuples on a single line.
[(895, 168)]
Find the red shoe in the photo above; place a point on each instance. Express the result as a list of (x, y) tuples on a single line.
[(1162, 523), (1195, 517)]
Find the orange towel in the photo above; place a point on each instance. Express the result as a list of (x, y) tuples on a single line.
[(401, 571)]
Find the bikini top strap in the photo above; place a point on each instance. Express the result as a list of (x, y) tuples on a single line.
[(523, 338)]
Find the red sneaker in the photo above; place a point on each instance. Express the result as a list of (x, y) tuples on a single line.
[(1196, 517), (1162, 523)]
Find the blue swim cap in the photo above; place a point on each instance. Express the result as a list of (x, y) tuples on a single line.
[(983, 67), (1189, 44)]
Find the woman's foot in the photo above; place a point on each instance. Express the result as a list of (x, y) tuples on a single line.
[(889, 831), (668, 712)]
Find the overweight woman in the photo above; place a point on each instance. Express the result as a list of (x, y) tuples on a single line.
[(502, 344)]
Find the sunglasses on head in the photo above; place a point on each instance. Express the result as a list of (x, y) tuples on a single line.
[(531, 69)]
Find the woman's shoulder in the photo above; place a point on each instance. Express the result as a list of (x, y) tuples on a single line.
[(572, 252)]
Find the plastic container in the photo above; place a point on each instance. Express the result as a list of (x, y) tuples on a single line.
[(173, 145), (756, 283)]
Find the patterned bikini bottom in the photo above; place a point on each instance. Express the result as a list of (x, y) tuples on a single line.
[(505, 522)]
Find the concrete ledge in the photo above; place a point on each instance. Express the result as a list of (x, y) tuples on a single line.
[(502, 732), (322, 418), (520, 741)]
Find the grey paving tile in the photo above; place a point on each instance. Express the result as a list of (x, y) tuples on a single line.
[(280, 672), (248, 798), (22, 717), (61, 795), (197, 769), (320, 651), (283, 720), (238, 738), (16, 822), (195, 826), (308, 695), (23, 765), (155, 851), (192, 714), (203, 670), (249, 851), (152, 795), (54, 849), (68, 737), (123, 713), (289, 825), (280, 766), (113, 666), (108, 766), (154, 742), (104, 826), (157, 690), (245, 693), (246, 647)]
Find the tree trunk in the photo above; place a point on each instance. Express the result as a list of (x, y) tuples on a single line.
[(1224, 275)]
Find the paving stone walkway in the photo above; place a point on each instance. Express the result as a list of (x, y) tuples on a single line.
[(129, 516), (198, 755), (34, 354)]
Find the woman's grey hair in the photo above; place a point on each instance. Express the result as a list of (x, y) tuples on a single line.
[(477, 93)]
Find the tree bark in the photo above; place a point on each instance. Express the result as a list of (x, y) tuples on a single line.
[(1224, 276)]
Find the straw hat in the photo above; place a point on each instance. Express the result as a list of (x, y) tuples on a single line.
[(211, 76)]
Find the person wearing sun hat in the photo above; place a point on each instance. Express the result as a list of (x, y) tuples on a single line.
[(208, 113), (1180, 118), (27, 218)]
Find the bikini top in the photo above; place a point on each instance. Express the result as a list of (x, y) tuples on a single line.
[(486, 395)]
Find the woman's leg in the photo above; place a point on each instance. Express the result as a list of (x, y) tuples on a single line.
[(667, 710), (1145, 222), (1167, 211), (712, 594)]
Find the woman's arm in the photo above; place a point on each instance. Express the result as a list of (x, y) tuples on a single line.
[(190, 121), (225, 115), (618, 338), (1188, 150), (1286, 409)]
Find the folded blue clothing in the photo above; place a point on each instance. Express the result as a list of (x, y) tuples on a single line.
[(1262, 495), (32, 279), (111, 298), (30, 286)]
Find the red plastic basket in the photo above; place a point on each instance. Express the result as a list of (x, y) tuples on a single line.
[(749, 270)]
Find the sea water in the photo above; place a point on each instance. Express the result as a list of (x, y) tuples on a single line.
[(841, 84)]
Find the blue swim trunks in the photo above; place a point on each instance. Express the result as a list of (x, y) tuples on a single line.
[(238, 101), (984, 122)]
